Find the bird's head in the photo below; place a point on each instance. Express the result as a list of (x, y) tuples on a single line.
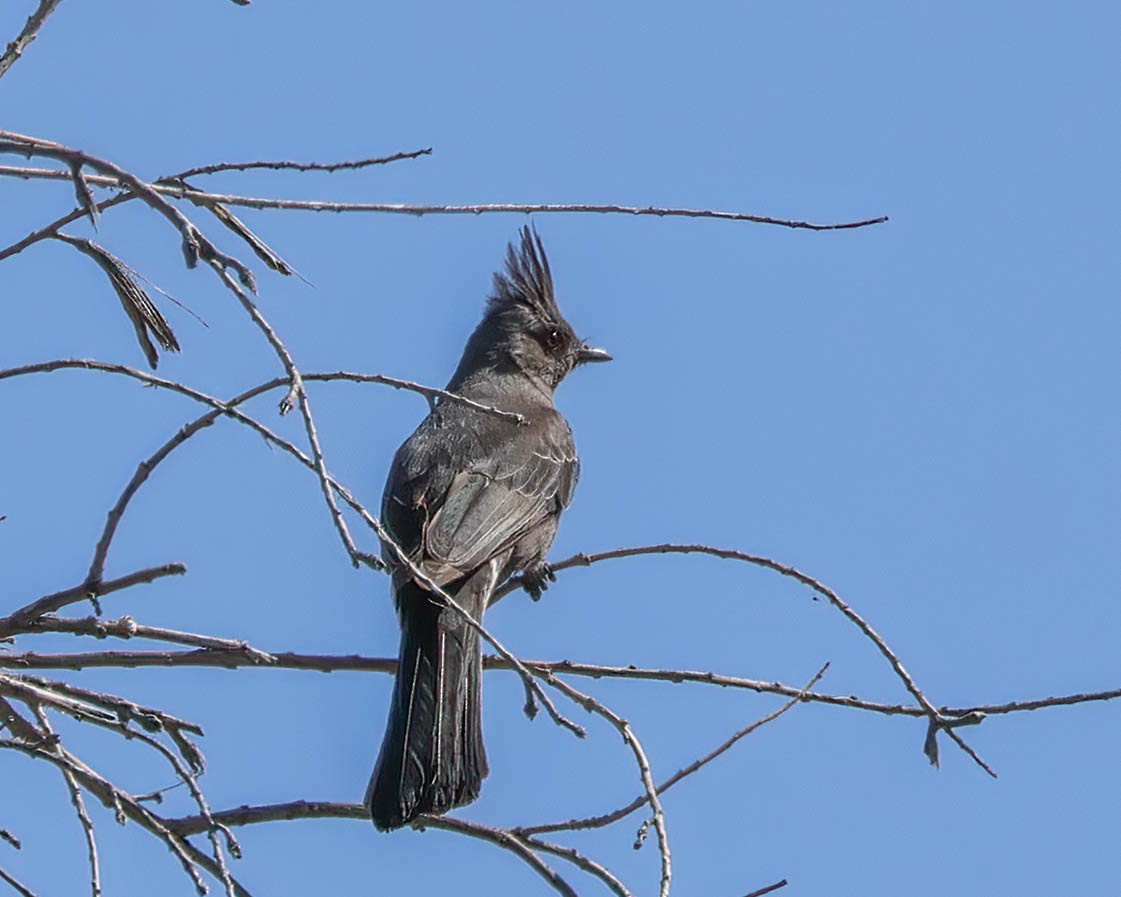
[(522, 329)]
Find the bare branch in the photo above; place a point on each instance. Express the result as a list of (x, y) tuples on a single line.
[(296, 809), (128, 628), (83, 193), (79, 805), (125, 710), (121, 803), (88, 591), (33, 695), (14, 722), (937, 722), (15, 884), (297, 397), (643, 799), (309, 205), (505, 840), (301, 809), (768, 890), (331, 663), (195, 245), (631, 740), (263, 252), (270, 257), (429, 392), (302, 166), (53, 228), (580, 861), (516, 208), (189, 776), (29, 32)]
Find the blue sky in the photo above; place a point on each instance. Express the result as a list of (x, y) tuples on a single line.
[(921, 414)]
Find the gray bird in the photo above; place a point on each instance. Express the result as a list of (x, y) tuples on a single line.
[(472, 498)]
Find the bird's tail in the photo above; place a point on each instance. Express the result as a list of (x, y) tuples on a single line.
[(432, 758)]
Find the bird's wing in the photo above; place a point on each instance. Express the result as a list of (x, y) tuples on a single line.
[(491, 505), (458, 497)]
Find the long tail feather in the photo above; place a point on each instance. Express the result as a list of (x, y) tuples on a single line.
[(432, 758)]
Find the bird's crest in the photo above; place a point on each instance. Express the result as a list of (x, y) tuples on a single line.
[(527, 280)]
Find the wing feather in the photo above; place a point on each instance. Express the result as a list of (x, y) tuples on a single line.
[(453, 507)]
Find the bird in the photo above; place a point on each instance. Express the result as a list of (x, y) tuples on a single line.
[(471, 499)]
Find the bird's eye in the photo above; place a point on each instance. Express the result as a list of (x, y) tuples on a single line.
[(553, 339)]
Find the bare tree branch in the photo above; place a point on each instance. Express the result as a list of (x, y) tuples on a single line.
[(643, 799), (27, 35), (309, 205), (302, 166), (428, 392), (195, 245), (297, 397), (15, 884), (79, 805), (631, 740), (937, 721), (768, 890), (580, 861), (128, 628), (89, 591), (121, 803), (122, 709), (300, 809), (330, 663)]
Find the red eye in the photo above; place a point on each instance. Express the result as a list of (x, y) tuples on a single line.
[(553, 339)]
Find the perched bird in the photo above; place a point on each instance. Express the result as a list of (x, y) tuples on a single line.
[(472, 498)]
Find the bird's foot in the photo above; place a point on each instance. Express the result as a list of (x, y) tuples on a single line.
[(536, 580)]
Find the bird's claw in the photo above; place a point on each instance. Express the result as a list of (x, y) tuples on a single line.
[(536, 580)]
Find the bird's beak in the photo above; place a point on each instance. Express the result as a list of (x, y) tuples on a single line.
[(590, 353)]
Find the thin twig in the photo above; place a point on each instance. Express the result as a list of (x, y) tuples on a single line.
[(429, 392), (301, 809), (148, 717), (302, 166), (121, 803), (23, 729), (195, 245), (631, 740), (16, 885), (85, 592), (190, 778), (579, 860), (768, 889), (27, 35), (643, 799), (937, 721), (308, 205), (128, 628), (297, 397), (32, 694), (173, 179), (505, 840), (333, 663), (80, 809)]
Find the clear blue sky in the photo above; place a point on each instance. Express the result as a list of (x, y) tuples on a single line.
[(922, 414)]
